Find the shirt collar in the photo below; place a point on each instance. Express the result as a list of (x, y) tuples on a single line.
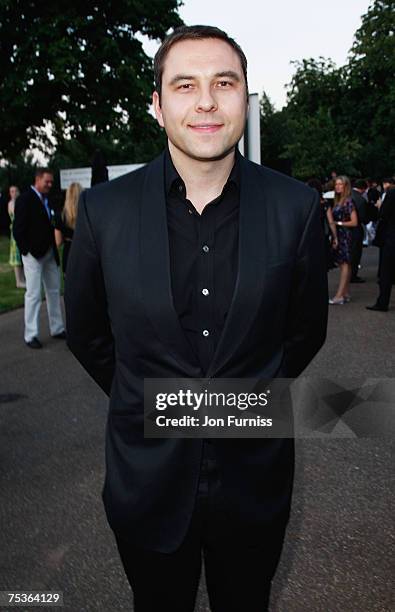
[(172, 178), (40, 195)]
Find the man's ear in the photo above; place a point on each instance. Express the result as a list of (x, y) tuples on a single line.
[(157, 108)]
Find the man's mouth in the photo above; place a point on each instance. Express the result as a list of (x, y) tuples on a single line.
[(206, 128)]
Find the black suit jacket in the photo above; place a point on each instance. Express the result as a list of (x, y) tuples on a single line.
[(361, 206), (32, 228), (385, 231), (122, 326)]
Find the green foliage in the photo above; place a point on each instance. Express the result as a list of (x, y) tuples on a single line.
[(317, 146), (19, 173), (318, 140), (315, 83), (371, 88), (274, 133), (10, 296), (79, 68), (340, 118)]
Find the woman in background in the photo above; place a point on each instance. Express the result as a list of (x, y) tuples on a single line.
[(345, 217), (15, 259), (65, 224)]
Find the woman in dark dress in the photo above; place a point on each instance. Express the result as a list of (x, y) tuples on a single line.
[(65, 223), (345, 217)]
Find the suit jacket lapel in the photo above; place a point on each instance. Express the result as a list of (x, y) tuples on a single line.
[(155, 268), (252, 264), (40, 205)]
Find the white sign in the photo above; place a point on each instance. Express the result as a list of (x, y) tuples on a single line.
[(84, 175), (254, 129)]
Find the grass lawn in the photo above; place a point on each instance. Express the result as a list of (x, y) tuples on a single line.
[(10, 296)]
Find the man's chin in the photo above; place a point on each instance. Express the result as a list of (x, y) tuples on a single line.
[(209, 155)]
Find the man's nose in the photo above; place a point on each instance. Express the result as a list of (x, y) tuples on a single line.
[(206, 101)]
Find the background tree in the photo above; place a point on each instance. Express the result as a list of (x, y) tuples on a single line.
[(74, 76), (274, 136), (319, 138), (370, 100), (317, 146), (316, 83), (340, 118)]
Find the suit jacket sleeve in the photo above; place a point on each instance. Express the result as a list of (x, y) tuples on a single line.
[(388, 206), (20, 224), (308, 309), (89, 335)]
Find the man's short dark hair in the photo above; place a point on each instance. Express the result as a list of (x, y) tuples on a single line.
[(389, 179), (316, 184), (40, 171), (197, 32), (360, 184)]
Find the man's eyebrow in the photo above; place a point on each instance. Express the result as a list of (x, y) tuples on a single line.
[(181, 77), (190, 77), (228, 73)]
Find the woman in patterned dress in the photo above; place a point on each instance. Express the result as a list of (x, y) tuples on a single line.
[(345, 217), (15, 259)]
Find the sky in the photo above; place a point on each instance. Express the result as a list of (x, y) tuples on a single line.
[(272, 33)]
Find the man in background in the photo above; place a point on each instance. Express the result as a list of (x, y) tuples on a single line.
[(385, 240), (361, 206), (35, 237)]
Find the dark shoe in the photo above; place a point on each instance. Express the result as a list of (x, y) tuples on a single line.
[(61, 336), (376, 307), (34, 344), (357, 279)]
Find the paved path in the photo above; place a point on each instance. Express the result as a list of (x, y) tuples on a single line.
[(338, 555)]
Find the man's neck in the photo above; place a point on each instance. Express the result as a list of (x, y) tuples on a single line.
[(204, 181), (37, 189)]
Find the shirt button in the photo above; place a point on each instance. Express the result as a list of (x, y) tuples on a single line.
[(206, 333), (206, 248), (205, 291)]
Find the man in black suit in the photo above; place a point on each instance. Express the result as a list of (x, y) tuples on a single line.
[(199, 265), (34, 235), (373, 195), (385, 240), (361, 207)]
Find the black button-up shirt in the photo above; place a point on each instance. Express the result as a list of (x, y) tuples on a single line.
[(203, 259)]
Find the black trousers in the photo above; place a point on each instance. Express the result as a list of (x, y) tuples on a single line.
[(356, 249), (386, 272), (238, 572)]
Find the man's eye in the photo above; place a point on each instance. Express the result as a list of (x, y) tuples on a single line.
[(185, 86), (224, 83)]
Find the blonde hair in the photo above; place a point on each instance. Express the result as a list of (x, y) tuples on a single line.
[(71, 204), (341, 198)]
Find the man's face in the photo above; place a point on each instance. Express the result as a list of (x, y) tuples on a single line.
[(203, 105), (44, 183)]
